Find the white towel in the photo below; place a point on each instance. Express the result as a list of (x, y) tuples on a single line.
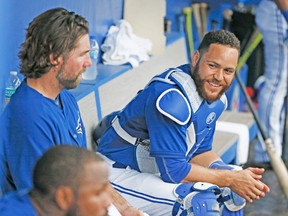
[(113, 211), (122, 46), (243, 142)]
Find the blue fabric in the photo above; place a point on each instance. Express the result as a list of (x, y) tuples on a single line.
[(32, 123), (173, 169), (285, 14), (16, 203), (219, 164), (249, 2), (169, 144)]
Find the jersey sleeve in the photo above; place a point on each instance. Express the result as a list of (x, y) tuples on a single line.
[(173, 170)]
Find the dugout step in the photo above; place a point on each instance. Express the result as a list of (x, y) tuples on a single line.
[(227, 139)]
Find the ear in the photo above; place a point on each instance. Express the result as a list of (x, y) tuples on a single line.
[(64, 197), (195, 58), (55, 61)]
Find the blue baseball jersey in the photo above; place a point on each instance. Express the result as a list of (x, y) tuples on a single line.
[(170, 113), (30, 125), (17, 203)]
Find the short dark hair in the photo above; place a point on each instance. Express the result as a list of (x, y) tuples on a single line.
[(62, 165), (222, 37), (56, 32)]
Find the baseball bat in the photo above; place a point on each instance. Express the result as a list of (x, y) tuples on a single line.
[(253, 42), (227, 19), (203, 15), (196, 11), (276, 161), (187, 11)]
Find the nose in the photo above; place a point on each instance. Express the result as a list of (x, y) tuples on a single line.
[(88, 61), (219, 75)]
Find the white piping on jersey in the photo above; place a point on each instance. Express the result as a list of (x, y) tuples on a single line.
[(144, 196), (166, 170), (169, 115)]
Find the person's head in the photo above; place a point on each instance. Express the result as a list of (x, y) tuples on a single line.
[(73, 179), (214, 63), (56, 40)]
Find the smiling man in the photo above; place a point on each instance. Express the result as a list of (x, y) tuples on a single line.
[(168, 129)]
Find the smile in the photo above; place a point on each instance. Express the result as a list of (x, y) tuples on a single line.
[(214, 84)]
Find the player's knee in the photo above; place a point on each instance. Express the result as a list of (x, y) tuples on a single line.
[(197, 199)]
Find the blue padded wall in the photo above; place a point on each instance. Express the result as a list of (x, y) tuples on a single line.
[(16, 15), (174, 12)]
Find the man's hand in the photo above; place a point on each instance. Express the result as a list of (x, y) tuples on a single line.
[(247, 184)]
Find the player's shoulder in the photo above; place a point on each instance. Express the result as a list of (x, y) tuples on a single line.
[(174, 105)]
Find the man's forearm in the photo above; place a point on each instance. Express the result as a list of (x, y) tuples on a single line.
[(198, 173), (205, 159)]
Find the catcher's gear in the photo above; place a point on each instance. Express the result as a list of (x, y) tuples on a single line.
[(196, 199)]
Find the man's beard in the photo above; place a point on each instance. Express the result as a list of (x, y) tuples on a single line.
[(199, 82), (66, 83)]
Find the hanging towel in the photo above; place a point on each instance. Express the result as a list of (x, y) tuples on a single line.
[(122, 46)]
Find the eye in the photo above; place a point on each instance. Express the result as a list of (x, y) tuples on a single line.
[(212, 66), (229, 71)]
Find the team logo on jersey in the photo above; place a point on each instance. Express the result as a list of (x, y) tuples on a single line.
[(210, 118), (79, 125)]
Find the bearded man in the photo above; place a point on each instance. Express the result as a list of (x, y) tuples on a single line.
[(168, 129)]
